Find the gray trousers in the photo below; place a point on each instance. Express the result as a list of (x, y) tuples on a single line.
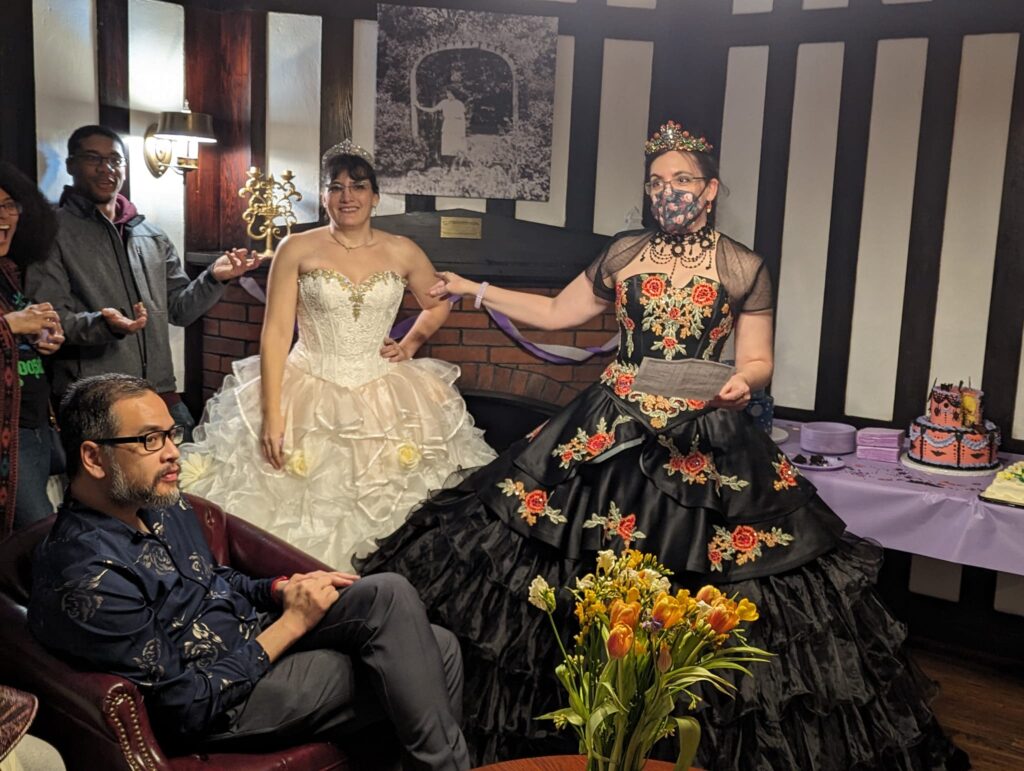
[(374, 657)]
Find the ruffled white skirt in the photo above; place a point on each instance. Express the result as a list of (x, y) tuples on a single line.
[(358, 457)]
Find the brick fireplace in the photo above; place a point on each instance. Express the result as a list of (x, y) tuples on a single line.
[(489, 360)]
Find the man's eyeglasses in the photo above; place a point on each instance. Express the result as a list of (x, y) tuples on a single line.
[(680, 183), (336, 188), (96, 160), (152, 441), (11, 208)]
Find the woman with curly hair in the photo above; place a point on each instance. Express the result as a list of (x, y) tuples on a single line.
[(28, 331)]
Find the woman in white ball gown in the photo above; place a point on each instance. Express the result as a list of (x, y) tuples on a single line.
[(331, 443)]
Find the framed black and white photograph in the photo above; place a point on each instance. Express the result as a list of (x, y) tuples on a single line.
[(465, 102)]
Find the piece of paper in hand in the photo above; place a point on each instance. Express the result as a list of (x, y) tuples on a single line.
[(686, 379)]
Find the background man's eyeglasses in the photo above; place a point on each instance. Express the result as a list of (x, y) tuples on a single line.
[(96, 160), (152, 441), (11, 208)]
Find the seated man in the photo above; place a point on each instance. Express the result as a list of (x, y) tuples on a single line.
[(126, 583)]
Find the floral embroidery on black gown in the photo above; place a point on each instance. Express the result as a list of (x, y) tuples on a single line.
[(713, 497)]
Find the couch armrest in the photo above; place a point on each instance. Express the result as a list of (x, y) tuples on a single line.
[(90, 715)]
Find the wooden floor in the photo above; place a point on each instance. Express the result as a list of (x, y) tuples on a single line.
[(980, 707)]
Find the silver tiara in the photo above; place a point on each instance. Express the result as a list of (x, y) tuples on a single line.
[(347, 147)]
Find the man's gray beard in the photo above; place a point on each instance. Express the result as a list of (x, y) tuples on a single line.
[(123, 493)]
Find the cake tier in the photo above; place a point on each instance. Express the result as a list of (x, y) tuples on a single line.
[(957, 448), (1008, 486), (955, 407)]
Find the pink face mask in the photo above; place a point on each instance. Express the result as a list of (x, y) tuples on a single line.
[(676, 210)]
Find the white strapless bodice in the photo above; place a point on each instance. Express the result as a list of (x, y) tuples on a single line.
[(342, 324)]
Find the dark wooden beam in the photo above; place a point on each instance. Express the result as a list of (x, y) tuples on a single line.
[(844, 228), (931, 183), (225, 76), (588, 60), (17, 87), (774, 170), (112, 63), (336, 50), (337, 43)]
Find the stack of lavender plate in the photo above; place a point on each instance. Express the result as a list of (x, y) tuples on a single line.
[(827, 438), (884, 444)]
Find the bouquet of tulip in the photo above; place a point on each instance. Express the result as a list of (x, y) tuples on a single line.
[(640, 649)]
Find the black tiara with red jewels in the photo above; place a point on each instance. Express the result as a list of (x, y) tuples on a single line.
[(671, 136)]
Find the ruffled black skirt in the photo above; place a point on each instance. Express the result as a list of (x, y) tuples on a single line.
[(839, 694)]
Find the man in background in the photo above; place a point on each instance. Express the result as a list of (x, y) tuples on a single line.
[(116, 280)]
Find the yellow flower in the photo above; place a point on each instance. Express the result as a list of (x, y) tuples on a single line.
[(746, 610), (193, 468), (297, 464), (541, 594), (605, 560), (409, 456), (620, 641)]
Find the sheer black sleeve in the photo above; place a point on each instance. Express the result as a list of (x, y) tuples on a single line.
[(613, 258), (745, 276)]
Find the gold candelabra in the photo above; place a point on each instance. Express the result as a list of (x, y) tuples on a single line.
[(270, 200)]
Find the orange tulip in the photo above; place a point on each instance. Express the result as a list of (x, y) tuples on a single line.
[(627, 613), (708, 594), (722, 620), (667, 611), (664, 658), (620, 641)]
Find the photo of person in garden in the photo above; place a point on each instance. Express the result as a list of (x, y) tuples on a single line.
[(465, 103)]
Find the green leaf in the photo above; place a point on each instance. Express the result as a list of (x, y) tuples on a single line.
[(688, 731), (602, 713)]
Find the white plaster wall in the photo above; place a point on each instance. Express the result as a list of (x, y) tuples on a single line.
[(64, 59), (293, 105), (156, 82)]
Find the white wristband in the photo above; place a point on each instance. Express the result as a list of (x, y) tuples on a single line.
[(480, 294)]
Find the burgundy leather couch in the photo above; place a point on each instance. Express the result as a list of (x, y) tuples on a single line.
[(97, 720)]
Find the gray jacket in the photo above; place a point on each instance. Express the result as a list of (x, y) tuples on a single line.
[(90, 268)]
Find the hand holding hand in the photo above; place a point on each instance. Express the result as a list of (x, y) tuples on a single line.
[(234, 263), (121, 324), (307, 597), (33, 319), (272, 439), (338, 578), (451, 283), (393, 351), (735, 394)]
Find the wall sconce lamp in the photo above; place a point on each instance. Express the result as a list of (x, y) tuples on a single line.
[(173, 143)]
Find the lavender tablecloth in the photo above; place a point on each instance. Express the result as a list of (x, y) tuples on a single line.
[(919, 512)]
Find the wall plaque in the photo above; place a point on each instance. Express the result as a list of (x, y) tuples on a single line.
[(462, 227)]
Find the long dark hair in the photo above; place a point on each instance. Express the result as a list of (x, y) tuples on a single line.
[(37, 225)]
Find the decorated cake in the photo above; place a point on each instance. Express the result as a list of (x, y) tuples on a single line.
[(1008, 486), (954, 434)]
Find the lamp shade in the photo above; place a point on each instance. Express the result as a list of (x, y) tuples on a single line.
[(196, 126)]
